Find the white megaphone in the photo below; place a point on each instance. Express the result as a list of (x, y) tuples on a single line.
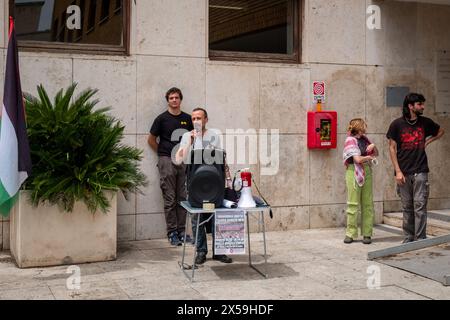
[(246, 199)]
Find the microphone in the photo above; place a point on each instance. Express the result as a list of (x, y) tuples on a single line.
[(197, 126), (198, 144)]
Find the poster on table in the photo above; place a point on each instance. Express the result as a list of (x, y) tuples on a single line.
[(229, 235)]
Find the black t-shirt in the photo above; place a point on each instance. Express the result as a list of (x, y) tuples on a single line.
[(411, 143), (165, 125), (363, 143)]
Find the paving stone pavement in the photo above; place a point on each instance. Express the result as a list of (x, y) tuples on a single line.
[(307, 264)]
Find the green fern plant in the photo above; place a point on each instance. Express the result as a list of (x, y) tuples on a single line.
[(76, 151)]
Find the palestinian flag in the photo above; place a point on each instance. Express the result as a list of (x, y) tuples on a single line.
[(15, 159)]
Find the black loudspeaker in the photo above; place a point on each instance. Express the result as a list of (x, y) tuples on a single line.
[(206, 177)]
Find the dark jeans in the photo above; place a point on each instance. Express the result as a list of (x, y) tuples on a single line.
[(202, 243), (414, 196), (172, 180)]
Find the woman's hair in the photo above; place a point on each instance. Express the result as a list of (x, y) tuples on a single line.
[(356, 125)]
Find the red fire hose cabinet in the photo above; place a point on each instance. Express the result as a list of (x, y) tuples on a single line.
[(322, 129)]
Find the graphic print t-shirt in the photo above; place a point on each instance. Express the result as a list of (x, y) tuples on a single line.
[(165, 125), (411, 143)]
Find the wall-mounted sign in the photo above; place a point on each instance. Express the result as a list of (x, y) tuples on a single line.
[(319, 91)]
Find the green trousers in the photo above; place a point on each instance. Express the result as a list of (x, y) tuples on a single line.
[(359, 199)]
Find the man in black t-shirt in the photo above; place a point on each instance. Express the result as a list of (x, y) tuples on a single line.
[(170, 127), (407, 143)]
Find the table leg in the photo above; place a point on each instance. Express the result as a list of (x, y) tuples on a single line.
[(265, 252), (191, 278), (248, 242), (264, 238), (199, 218), (184, 244)]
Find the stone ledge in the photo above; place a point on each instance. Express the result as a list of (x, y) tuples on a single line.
[(435, 225)]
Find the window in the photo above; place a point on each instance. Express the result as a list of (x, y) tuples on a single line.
[(61, 28), (255, 30), (69, 31), (79, 32), (47, 25), (118, 8), (105, 11), (92, 15)]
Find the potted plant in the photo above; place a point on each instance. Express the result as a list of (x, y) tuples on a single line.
[(68, 211)]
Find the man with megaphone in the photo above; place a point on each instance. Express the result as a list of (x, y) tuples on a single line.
[(201, 138)]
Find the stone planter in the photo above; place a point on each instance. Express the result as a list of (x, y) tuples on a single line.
[(46, 236)]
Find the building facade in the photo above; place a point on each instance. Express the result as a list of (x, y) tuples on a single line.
[(335, 41)]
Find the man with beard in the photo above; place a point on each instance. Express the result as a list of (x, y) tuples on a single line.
[(408, 138)]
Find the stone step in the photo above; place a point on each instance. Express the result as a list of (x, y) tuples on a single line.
[(438, 223)]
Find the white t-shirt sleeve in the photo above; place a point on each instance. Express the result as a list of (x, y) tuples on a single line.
[(185, 140), (214, 139)]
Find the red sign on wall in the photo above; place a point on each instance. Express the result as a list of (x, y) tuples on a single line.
[(319, 90)]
